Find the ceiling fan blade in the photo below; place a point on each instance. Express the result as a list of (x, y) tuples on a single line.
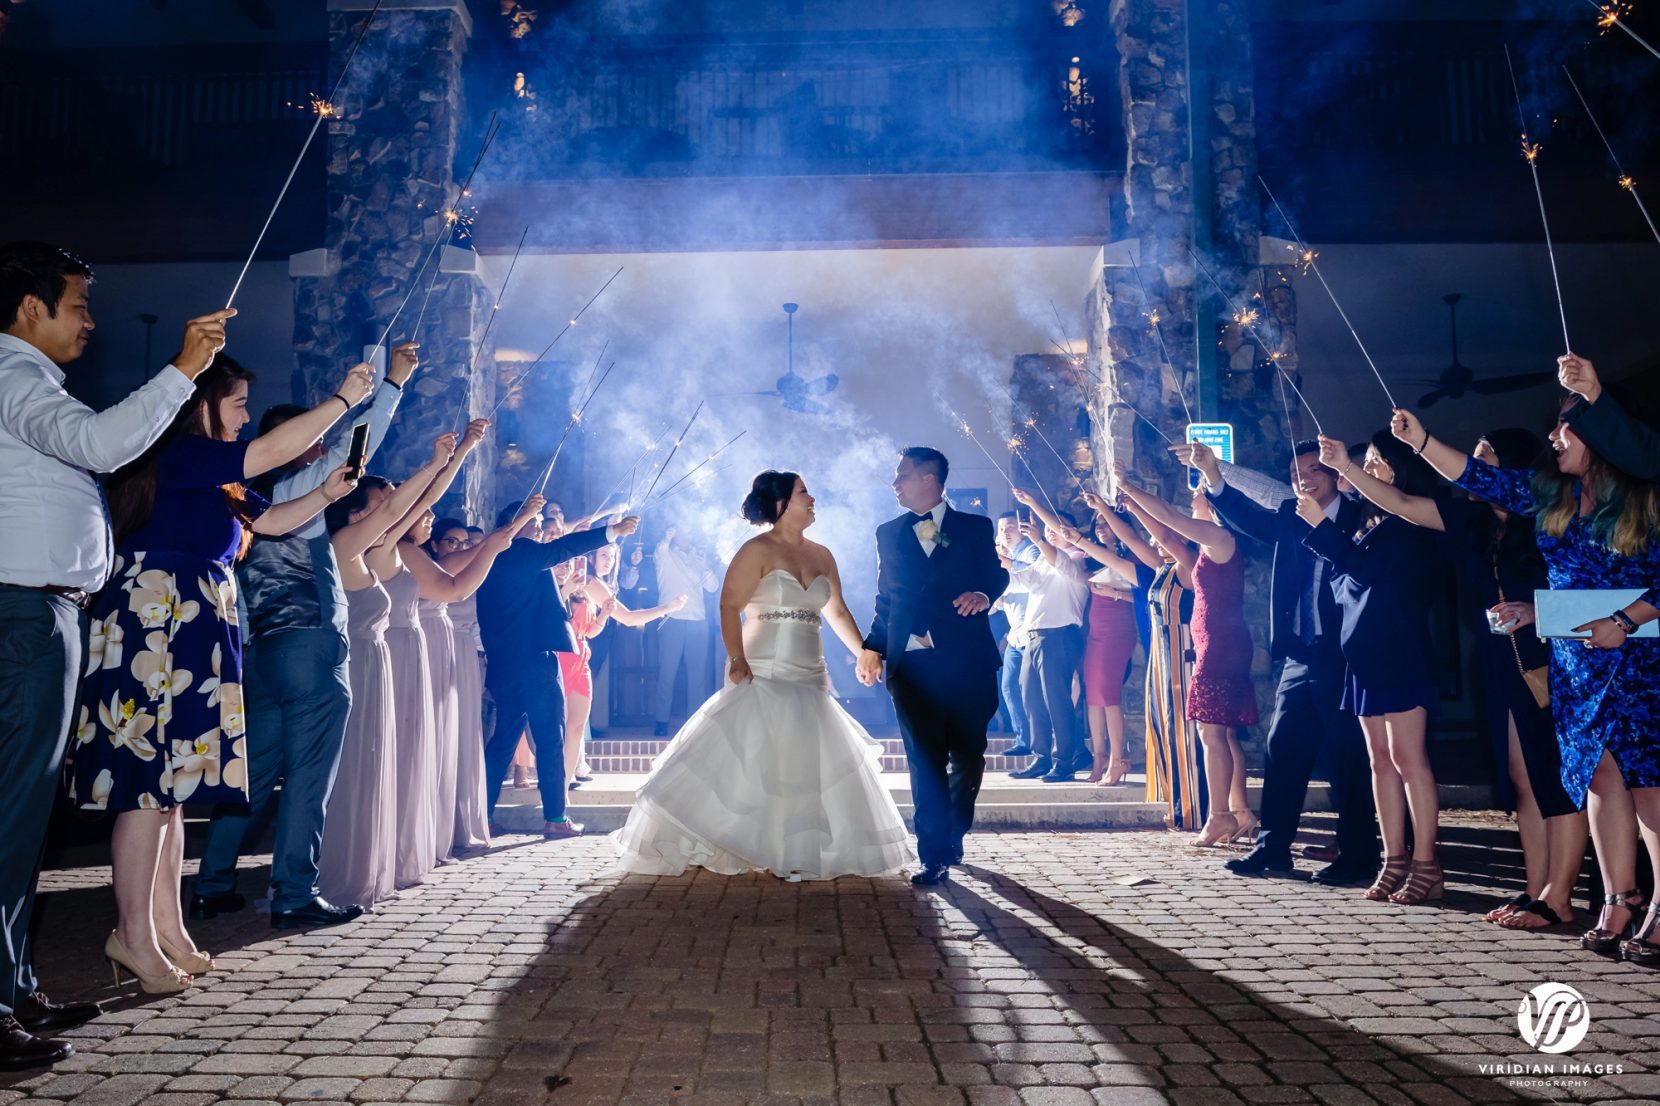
[(1514, 383), (1429, 398), (823, 385)]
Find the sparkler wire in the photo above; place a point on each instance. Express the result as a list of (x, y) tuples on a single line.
[(1611, 18), (323, 111), (1531, 155), (968, 432), (1158, 332), (1625, 180), (666, 492), (576, 417), (548, 348), (662, 468)]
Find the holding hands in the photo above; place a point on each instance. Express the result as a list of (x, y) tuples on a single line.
[(1578, 376), (868, 668)]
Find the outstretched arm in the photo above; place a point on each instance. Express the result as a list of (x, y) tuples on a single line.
[(1217, 541), (600, 592), (1419, 510), (291, 514), (282, 444), (356, 538), (1628, 444), (1142, 550), (440, 484)]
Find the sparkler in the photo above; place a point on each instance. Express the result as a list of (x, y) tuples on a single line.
[(452, 215), (1613, 13), (664, 466), (1030, 422), (547, 348), (1530, 154), (576, 417), (1305, 252), (325, 109), (968, 432), (691, 472), (1015, 444), (697, 482), (1164, 351), (1625, 180), (1247, 319)]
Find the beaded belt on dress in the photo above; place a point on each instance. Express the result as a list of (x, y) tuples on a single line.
[(793, 614)]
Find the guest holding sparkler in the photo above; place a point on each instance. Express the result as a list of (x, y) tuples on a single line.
[(162, 719), (54, 554), (359, 859), (1627, 443), (1220, 695), (1057, 587), (1381, 576), (1303, 633), (1595, 526), (297, 687), (1013, 551), (684, 635), (1502, 568), (525, 625), (607, 588)]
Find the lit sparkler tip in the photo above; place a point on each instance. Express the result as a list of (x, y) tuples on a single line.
[(573, 322), (1246, 316), (1530, 150), (1153, 317), (1627, 183), (1277, 355)]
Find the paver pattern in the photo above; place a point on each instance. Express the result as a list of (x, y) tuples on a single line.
[(1056, 970)]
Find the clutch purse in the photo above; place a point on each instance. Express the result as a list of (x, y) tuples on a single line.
[(1556, 613)]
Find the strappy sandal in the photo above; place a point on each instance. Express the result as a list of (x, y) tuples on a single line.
[(1218, 828), (1394, 871), (1639, 949), (1606, 942), (1248, 825), (1518, 902), (1424, 881), (1523, 918)]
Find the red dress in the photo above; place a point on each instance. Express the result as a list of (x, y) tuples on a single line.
[(1107, 649), (1221, 692), (574, 667)]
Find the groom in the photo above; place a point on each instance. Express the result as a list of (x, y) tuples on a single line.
[(937, 575)]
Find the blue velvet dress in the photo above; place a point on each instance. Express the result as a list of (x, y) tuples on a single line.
[(1603, 698), (161, 719)]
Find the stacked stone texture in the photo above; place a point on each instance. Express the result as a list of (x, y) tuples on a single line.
[(391, 147)]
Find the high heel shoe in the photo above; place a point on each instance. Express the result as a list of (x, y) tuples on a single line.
[(1640, 949), (1248, 825), (1217, 831), (1116, 771), (1606, 942), (1424, 882), (170, 983), (1389, 879), (190, 963)]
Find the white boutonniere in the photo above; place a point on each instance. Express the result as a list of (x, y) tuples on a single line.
[(929, 530)]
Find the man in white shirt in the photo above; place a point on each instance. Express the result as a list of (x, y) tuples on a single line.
[(1057, 590), (1013, 550), (56, 551), (681, 570)]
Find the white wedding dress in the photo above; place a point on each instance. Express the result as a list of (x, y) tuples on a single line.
[(770, 774)]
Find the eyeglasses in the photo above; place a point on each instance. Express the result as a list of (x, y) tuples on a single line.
[(452, 541)]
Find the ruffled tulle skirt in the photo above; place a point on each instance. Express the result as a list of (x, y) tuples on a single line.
[(768, 775)]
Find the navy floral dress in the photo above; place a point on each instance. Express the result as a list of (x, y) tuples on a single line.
[(161, 720), (1603, 698)]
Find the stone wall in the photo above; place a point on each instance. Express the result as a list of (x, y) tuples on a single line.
[(392, 144)]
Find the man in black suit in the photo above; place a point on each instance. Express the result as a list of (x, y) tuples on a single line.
[(525, 626), (937, 575), (1303, 633)]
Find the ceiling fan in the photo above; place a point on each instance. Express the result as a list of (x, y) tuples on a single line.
[(795, 390), (1457, 378)]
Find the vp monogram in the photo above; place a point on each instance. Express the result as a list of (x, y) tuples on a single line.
[(1553, 1018)]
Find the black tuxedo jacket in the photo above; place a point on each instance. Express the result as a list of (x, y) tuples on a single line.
[(914, 591), (521, 614), (1285, 531)]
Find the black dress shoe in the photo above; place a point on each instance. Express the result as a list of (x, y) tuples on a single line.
[(932, 875), (21, 1050), (1342, 873), (1017, 751), (1058, 776), (1039, 767), (1258, 862), (203, 907), (39, 1014), (314, 915)]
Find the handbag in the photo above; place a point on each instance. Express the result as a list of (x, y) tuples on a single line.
[(1536, 679)]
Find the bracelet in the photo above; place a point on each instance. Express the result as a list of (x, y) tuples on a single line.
[(1348, 468), (342, 399), (1419, 452), (394, 383), (1624, 621)]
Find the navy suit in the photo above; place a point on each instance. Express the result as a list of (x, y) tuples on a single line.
[(1307, 703), (945, 696)]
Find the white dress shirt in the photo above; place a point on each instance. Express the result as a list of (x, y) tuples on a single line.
[(54, 525), (679, 574), (1056, 593), (300, 482)]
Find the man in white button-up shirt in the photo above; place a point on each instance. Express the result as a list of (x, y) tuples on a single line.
[(55, 551)]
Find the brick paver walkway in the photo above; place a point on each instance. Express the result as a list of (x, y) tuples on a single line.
[(1058, 970)]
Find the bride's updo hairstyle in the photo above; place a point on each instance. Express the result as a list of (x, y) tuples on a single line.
[(768, 497)]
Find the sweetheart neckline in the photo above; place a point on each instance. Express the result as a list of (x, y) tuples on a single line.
[(797, 579)]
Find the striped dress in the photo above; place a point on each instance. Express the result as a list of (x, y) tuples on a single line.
[(1175, 763)]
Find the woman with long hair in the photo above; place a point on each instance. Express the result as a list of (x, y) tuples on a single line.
[(161, 720), (1595, 526), (1500, 562), (1381, 579), (1220, 696)]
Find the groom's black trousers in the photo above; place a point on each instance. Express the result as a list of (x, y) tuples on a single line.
[(943, 714)]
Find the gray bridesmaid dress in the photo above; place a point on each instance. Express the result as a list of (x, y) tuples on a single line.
[(440, 637), (472, 820), (417, 736)]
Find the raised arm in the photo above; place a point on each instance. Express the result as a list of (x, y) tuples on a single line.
[(1442, 457), (282, 444), (1216, 540), (1628, 444), (1138, 546), (1420, 510), (1237, 510), (743, 576), (281, 518), (440, 585), (440, 483), (601, 594), (355, 538), (1170, 541)]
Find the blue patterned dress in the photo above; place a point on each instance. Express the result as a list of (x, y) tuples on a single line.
[(1603, 698)]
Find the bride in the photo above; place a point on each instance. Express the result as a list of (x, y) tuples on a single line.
[(771, 774)]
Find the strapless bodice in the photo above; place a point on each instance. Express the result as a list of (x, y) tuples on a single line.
[(781, 629)]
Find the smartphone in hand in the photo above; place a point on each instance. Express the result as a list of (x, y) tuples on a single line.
[(357, 454)]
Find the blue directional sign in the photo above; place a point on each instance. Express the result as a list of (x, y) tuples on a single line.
[(1217, 435)]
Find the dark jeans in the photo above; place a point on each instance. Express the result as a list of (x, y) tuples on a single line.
[(1010, 702), (943, 717), (680, 639), (533, 692), (299, 695), (1052, 660), (1306, 720), (42, 645)]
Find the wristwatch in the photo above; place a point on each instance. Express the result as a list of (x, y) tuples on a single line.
[(1624, 621)]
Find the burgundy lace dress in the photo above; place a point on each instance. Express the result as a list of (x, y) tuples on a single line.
[(1221, 691)]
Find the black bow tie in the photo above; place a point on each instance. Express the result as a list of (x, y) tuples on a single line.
[(915, 519)]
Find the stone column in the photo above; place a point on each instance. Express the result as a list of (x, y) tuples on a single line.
[(392, 145)]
